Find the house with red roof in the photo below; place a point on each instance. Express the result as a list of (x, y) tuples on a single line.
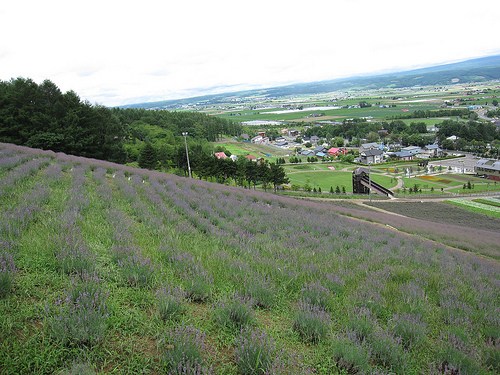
[(220, 155), (334, 151)]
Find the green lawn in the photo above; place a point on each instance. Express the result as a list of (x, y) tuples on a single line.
[(325, 180)]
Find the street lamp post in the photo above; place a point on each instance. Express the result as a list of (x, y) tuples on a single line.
[(187, 153)]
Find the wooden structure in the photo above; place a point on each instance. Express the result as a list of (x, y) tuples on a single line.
[(361, 183)]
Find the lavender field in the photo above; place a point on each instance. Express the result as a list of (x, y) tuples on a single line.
[(109, 269)]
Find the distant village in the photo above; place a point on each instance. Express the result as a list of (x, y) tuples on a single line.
[(369, 153)]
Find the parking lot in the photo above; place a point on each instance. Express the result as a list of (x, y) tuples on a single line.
[(459, 165)]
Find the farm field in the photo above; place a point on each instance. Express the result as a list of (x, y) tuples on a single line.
[(440, 213), (474, 206), (122, 270), (274, 114), (239, 148)]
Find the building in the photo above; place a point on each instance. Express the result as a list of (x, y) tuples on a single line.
[(412, 149), (431, 151), (401, 155), (372, 156), (220, 155), (369, 146), (334, 151), (488, 168)]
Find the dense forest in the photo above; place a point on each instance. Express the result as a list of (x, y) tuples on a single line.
[(41, 116)]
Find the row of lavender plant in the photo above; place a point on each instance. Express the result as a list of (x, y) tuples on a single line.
[(72, 253), (134, 268), (21, 172)]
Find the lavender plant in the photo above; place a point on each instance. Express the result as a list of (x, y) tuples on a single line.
[(198, 284), (89, 284), (457, 355), (410, 328), (79, 322), (352, 357), (7, 272), (493, 358), (256, 352), (387, 351), (233, 312), (362, 322), (184, 354), (137, 270), (311, 323), (315, 294), (73, 255), (78, 368), (170, 302), (261, 291)]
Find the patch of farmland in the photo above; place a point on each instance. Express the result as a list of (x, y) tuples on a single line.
[(440, 213)]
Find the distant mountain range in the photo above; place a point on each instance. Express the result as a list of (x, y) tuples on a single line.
[(475, 70)]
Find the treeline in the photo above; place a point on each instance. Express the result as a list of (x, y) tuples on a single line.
[(358, 128), (243, 172), (461, 112), (41, 116)]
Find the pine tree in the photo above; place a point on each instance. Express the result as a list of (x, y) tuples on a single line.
[(148, 158)]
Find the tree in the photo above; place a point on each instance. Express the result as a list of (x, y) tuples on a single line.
[(338, 141), (263, 174), (494, 102), (252, 173), (148, 158), (277, 175), (372, 137)]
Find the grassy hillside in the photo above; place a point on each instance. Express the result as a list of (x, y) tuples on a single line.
[(109, 269)]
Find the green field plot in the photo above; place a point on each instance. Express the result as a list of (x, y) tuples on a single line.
[(425, 184), (473, 206), (341, 113), (441, 213), (489, 201), (240, 148), (325, 179), (465, 178)]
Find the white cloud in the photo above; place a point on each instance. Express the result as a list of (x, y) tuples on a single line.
[(115, 52)]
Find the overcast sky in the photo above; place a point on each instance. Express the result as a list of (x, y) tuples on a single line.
[(122, 52)]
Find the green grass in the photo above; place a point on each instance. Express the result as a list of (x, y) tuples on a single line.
[(490, 202), (327, 179), (425, 184), (341, 113)]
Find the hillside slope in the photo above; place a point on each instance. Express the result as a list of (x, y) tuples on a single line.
[(98, 255)]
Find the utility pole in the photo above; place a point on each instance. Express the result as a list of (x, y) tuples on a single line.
[(187, 153)]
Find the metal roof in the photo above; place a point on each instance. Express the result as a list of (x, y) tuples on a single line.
[(488, 164)]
